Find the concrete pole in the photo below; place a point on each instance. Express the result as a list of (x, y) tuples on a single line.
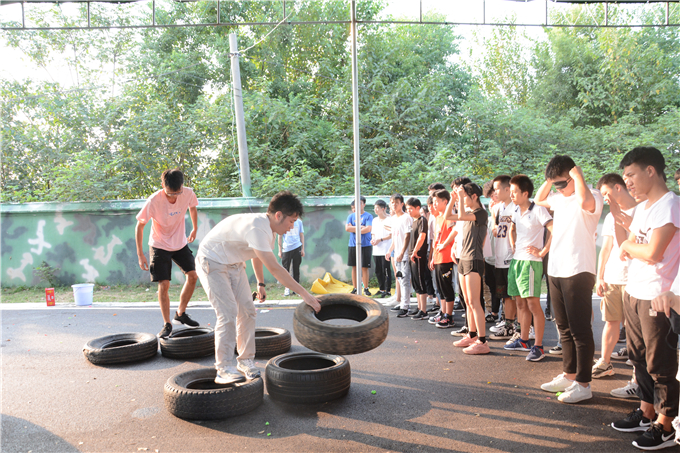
[(357, 166), (240, 120)]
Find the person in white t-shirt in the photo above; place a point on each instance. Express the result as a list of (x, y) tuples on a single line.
[(221, 267), (571, 273), (401, 237), (292, 250), (654, 249), (526, 268), (381, 241), (612, 273), (502, 223)]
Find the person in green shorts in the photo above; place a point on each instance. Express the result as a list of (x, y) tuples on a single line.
[(526, 268)]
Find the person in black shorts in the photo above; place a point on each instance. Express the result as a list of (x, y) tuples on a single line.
[(418, 257), (168, 242), (365, 227)]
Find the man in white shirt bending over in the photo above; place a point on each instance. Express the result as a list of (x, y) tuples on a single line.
[(221, 267)]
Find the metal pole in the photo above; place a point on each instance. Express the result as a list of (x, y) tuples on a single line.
[(219, 11), (357, 166), (240, 121), (88, 14), (606, 13), (23, 16)]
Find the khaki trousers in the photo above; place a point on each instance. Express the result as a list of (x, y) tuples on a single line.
[(229, 293)]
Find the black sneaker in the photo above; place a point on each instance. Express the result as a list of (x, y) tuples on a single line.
[(185, 319), (402, 314), (367, 292), (413, 312), (655, 438), (420, 316), (354, 291), (396, 307), (446, 322), (557, 350), (548, 315), (435, 308), (621, 354), (622, 335), (165, 331), (633, 422), (461, 332), (384, 294), (490, 317), (458, 306)]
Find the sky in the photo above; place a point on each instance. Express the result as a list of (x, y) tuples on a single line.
[(16, 65)]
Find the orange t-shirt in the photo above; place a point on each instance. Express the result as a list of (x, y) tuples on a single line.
[(443, 232), (167, 229)]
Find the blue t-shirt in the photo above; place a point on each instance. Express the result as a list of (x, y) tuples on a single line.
[(366, 219), (291, 240)]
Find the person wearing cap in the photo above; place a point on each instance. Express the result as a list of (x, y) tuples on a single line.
[(366, 225)]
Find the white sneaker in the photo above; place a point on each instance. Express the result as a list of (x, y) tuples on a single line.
[(516, 336), (532, 333), (248, 368), (500, 324), (228, 375), (629, 363), (559, 384), (602, 369), (576, 393), (629, 391), (286, 292)]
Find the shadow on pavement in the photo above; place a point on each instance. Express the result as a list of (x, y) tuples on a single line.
[(21, 435)]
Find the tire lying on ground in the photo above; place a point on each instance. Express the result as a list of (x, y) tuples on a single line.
[(369, 332), (121, 348), (271, 341), (189, 343), (193, 395), (307, 377)]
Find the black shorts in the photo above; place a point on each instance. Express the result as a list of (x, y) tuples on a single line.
[(468, 266), (501, 282), (366, 256), (419, 275), (445, 275), (161, 262)]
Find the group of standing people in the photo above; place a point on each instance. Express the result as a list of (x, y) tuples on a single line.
[(464, 246)]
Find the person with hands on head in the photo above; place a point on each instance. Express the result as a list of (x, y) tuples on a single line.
[(168, 242), (571, 272), (221, 266)]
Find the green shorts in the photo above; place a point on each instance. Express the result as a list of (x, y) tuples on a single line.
[(524, 278)]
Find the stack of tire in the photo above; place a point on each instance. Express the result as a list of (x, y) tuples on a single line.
[(316, 376)]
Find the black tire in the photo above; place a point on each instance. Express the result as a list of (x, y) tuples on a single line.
[(121, 348), (307, 377), (189, 343), (271, 341), (193, 395), (370, 332)]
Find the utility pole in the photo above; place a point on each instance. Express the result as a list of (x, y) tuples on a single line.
[(357, 166), (240, 120)]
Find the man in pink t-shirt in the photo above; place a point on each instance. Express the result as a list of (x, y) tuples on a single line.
[(168, 242)]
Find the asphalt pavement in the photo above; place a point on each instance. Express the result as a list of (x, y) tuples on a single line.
[(429, 396)]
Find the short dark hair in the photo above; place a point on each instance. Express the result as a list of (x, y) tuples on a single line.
[(473, 189), (436, 186), (287, 203), (381, 203), (461, 181), (429, 200), (361, 198), (425, 209), (523, 182), (504, 180), (677, 175), (558, 166), (645, 156), (413, 201), (173, 179), (610, 180), (442, 194), (397, 196)]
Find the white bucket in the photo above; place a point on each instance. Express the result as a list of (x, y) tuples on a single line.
[(83, 293)]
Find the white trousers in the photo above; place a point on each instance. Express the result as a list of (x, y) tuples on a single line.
[(405, 283), (229, 293)]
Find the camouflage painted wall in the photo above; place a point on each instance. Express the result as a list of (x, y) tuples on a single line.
[(94, 242)]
